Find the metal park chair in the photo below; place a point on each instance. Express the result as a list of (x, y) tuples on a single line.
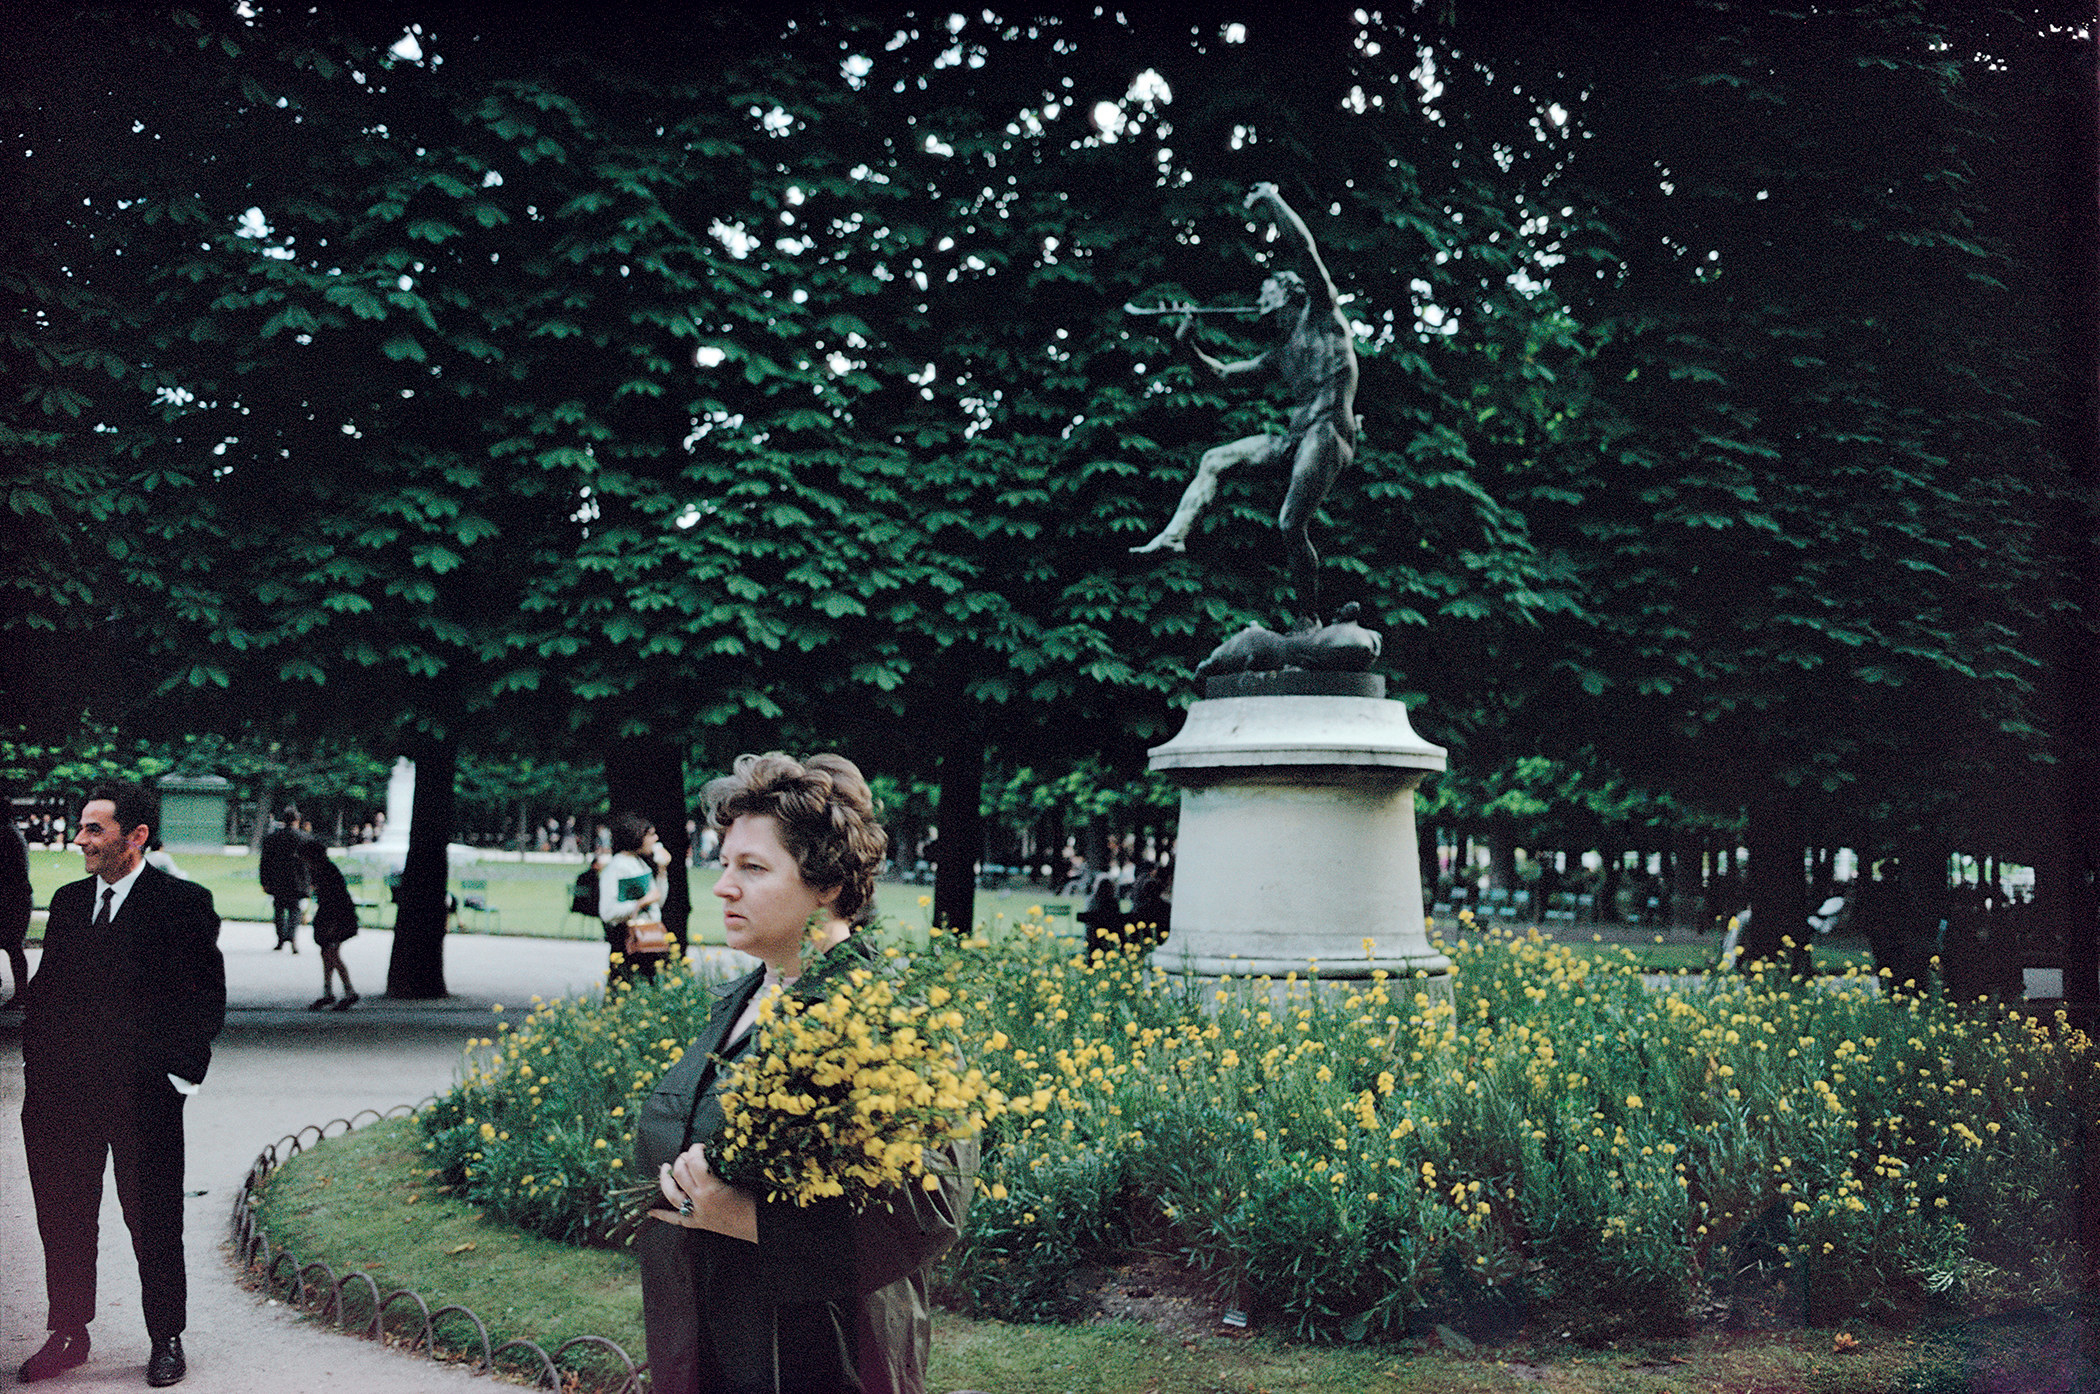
[(371, 910), (474, 901)]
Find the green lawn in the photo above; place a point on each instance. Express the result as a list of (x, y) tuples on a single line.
[(529, 898), (368, 1202), (532, 898), (1682, 955)]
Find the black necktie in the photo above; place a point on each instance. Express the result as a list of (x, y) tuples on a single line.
[(109, 893)]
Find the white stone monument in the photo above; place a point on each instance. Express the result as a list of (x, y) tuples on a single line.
[(390, 852), (1297, 837)]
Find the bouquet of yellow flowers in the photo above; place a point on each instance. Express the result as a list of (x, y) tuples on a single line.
[(857, 1078)]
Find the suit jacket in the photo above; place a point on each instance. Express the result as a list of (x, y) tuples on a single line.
[(160, 957), (282, 870)]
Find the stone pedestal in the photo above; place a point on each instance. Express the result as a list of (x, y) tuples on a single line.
[(1297, 838)]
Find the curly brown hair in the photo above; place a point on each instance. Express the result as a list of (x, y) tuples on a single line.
[(826, 817)]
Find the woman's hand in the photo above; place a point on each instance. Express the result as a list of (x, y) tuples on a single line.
[(698, 1199)]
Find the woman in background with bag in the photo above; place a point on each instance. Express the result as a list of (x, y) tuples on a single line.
[(631, 890)]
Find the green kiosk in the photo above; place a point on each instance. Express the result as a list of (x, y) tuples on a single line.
[(193, 812)]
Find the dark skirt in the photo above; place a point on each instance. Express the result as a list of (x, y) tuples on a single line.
[(330, 930)]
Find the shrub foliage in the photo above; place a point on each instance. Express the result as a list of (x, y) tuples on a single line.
[(1351, 1155)]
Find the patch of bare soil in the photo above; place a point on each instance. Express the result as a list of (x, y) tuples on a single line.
[(1161, 1292)]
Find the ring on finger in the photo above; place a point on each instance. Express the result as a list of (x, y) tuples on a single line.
[(685, 1208)]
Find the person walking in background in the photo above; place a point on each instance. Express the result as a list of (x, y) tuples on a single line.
[(283, 876), (335, 920), (630, 893), (117, 1035), (17, 900)]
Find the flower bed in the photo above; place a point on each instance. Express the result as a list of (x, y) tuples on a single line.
[(1550, 1134)]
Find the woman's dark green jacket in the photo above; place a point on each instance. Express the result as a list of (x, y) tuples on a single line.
[(829, 1299)]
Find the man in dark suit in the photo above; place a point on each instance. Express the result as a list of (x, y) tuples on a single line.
[(283, 874), (117, 1034)]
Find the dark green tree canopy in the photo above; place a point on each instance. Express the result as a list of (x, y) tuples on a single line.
[(548, 380)]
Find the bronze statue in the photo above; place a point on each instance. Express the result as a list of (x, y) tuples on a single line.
[(1342, 647), (1316, 359)]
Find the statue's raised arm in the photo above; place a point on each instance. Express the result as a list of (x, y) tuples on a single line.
[(1287, 216)]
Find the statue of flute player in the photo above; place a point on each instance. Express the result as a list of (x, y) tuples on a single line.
[(1316, 359)]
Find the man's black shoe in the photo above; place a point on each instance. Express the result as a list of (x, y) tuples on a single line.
[(165, 1366), (61, 1353)]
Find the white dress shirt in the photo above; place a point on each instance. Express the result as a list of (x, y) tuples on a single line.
[(122, 889)]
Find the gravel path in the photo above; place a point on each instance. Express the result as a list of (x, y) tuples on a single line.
[(277, 1069)]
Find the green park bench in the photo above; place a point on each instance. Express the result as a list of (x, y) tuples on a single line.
[(371, 910)]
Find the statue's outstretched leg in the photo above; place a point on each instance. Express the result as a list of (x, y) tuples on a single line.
[(1321, 455), (1204, 487)]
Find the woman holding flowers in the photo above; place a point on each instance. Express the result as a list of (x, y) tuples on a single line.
[(742, 1291)]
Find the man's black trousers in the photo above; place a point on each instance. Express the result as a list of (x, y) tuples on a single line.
[(68, 1130)]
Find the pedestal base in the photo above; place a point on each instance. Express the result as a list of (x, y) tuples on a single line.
[(1296, 850)]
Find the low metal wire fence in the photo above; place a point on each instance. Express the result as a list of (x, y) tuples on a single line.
[(401, 1318)]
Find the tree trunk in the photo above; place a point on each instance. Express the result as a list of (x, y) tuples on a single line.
[(1095, 839), (417, 968), (1425, 853), (962, 825), (1778, 885), (1922, 879), (1606, 908), (263, 811), (646, 775), (1686, 907), (1502, 855)]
